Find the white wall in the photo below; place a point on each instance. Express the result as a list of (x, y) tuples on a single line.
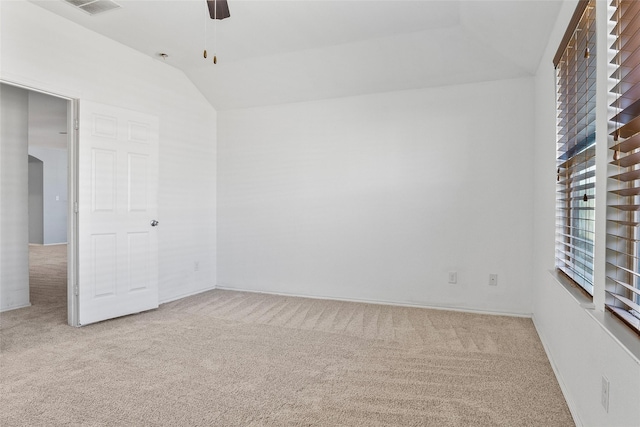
[(378, 197), (583, 343), (54, 197), (44, 51), (14, 174)]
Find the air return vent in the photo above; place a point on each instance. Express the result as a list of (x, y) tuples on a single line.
[(93, 7)]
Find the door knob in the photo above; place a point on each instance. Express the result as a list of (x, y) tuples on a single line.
[(154, 223)]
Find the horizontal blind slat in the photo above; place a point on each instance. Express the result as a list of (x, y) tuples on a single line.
[(627, 270), (627, 317), (627, 145), (627, 238), (629, 128), (626, 192), (626, 301), (624, 222), (626, 85), (626, 208), (626, 176), (629, 112), (587, 186), (625, 285)]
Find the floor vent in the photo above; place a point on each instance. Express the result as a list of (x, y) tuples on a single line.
[(93, 7)]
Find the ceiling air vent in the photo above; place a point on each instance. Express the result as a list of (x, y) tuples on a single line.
[(93, 7)]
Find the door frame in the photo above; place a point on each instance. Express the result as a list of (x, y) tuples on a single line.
[(72, 191)]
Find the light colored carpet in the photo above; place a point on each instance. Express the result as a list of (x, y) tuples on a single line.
[(226, 358)]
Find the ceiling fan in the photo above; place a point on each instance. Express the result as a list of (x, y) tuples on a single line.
[(218, 10)]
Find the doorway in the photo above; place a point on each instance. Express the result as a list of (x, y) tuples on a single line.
[(48, 203), (38, 191)]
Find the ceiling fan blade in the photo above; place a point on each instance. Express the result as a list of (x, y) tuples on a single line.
[(222, 9)]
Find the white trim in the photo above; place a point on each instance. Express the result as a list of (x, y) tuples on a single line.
[(619, 332), (72, 216), (382, 302), (190, 294), (38, 86), (4, 310), (563, 387), (577, 295)]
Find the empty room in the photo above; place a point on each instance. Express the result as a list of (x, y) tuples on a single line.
[(319, 212)]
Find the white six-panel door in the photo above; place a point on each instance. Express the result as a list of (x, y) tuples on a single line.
[(117, 203)]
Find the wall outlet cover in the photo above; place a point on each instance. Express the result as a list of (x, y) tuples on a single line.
[(453, 277), (493, 280), (604, 394)]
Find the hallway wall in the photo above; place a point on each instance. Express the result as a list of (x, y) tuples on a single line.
[(14, 203)]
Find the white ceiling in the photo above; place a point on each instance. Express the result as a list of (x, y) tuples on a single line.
[(272, 52)]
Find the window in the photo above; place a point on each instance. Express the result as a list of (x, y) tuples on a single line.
[(623, 201), (575, 65)]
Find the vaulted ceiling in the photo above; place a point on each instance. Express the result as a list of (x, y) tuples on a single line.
[(272, 52)]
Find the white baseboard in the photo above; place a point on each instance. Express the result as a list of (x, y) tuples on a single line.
[(15, 308), (382, 302), (190, 294), (563, 387)]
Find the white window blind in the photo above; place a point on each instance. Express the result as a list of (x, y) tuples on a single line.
[(575, 65), (623, 210)]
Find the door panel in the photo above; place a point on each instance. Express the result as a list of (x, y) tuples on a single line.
[(117, 200), (104, 264), (138, 262), (137, 191), (103, 181)]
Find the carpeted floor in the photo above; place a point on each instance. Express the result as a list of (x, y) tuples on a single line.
[(48, 280), (226, 358)]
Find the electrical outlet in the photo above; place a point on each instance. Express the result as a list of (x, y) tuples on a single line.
[(493, 280), (604, 394), (453, 277), (196, 266)]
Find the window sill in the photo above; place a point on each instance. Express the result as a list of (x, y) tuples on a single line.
[(614, 327), (578, 294)]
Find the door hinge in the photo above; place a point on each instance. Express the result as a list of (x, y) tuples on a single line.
[(76, 290), (76, 124), (75, 207)]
